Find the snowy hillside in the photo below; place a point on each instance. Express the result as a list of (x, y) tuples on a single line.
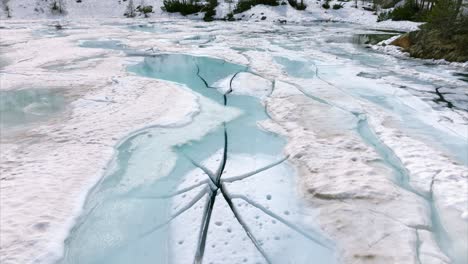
[(30, 9), (72, 9)]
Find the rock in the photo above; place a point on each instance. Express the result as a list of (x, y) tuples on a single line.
[(402, 42), (432, 44)]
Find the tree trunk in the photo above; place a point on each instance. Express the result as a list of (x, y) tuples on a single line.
[(458, 7)]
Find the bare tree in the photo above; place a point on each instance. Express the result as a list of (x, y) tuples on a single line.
[(6, 7), (58, 6), (130, 9)]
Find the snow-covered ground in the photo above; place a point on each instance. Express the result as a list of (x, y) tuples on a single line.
[(88, 9), (48, 165)]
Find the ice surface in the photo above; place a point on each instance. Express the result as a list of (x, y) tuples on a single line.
[(298, 69), (313, 99), (103, 44), (123, 191), (21, 107)]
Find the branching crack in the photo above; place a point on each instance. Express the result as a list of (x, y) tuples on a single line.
[(371, 245), (243, 224), (420, 227), (182, 210), (203, 79), (178, 192), (431, 188), (418, 247), (252, 173), (211, 87), (230, 82), (204, 228), (282, 220), (210, 174), (222, 164), (442, 98), (273, 86), (217, 186)]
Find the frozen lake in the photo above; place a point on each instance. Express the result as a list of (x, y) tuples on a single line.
[(187, 142)]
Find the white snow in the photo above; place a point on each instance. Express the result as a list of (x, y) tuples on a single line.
[(48, 168), (32, 9)]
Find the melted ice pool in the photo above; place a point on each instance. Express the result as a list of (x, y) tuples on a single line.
[(20, 107)]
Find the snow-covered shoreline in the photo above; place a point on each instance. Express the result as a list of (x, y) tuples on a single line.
[(387, 48)]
